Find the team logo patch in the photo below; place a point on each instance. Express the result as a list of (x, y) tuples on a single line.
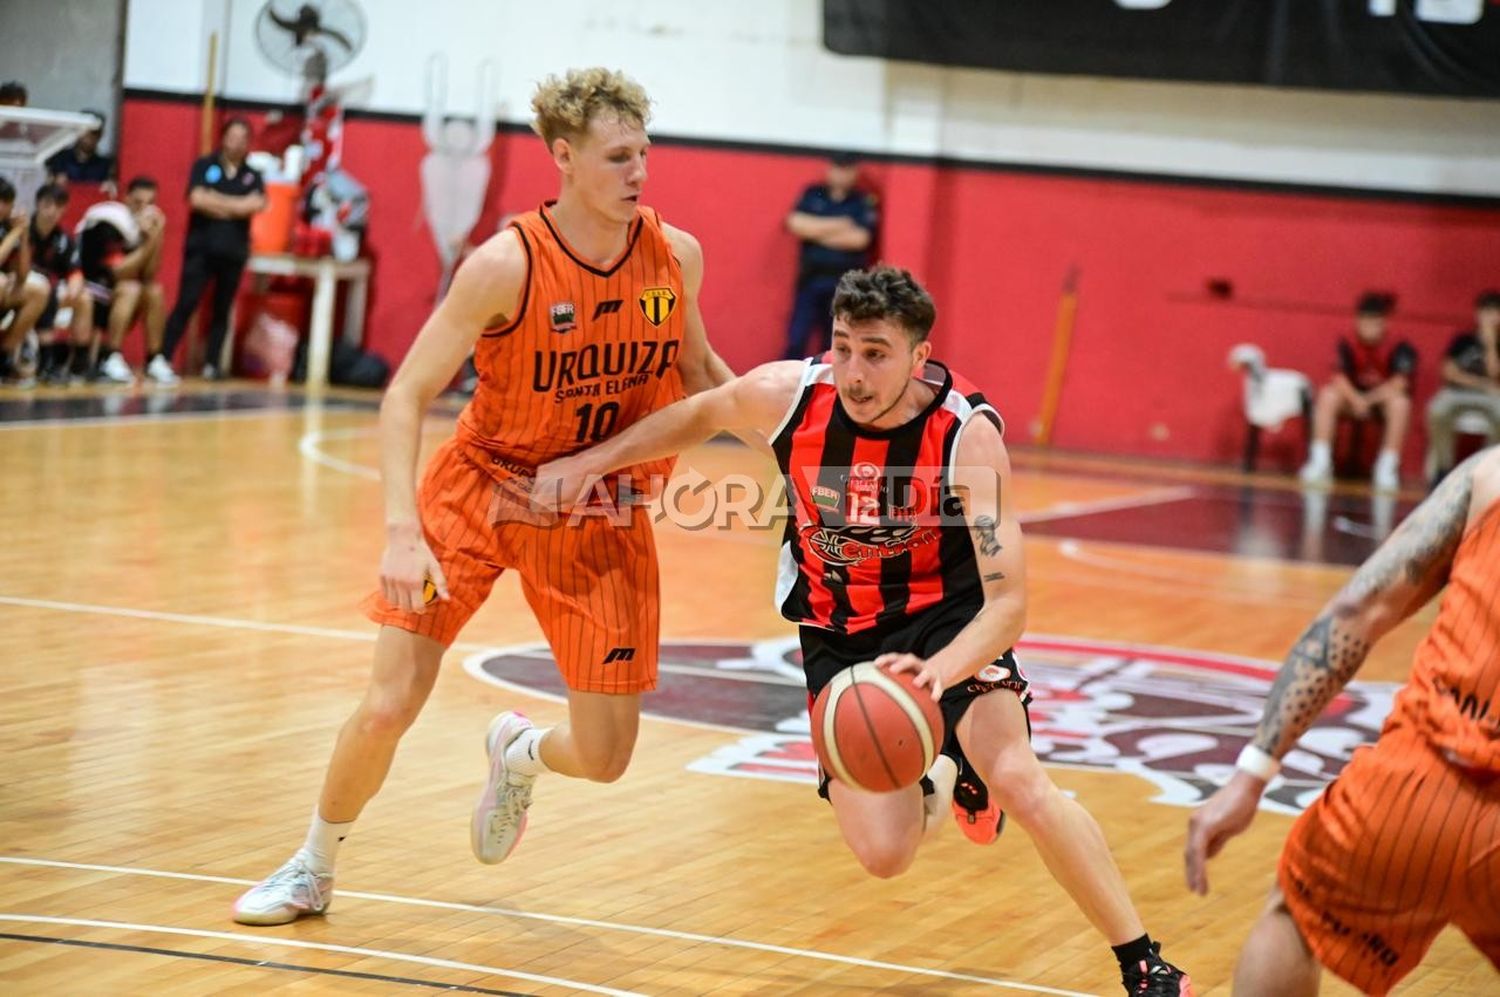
[(657, 304), (563, 317), (853, 544), (824, 496), (1175, 718), (993, 673)]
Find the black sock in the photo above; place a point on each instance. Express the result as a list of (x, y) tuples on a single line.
[(1132, 954)]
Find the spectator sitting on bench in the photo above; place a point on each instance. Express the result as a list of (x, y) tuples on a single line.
[(1373, 375), (1471, 385), (119, 252)]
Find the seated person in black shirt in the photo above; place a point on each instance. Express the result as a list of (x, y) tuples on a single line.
[(1373, 375), (68, 317), (20, 297), (119, 252), (1471, 385), (83, 162), (836, 224)]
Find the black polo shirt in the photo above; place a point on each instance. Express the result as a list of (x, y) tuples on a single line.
[(221, 236), (858, 206), (96, 169)]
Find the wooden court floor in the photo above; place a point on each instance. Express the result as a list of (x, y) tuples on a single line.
[(179, 641)]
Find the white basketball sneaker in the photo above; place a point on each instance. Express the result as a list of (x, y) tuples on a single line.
[(290, 892), (114, 368), (500, 815), (160, 371)]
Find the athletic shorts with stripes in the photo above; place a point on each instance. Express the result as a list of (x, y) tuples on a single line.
[(591, 580), (1400, 845)]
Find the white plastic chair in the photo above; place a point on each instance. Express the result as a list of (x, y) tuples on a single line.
[(1272, 396)]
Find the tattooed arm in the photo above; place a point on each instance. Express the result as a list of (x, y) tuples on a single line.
[(981, 478), (1397, 580)]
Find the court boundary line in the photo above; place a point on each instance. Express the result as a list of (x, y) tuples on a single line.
[(140, 418), (685, 936), (298, 943), (232, 960)]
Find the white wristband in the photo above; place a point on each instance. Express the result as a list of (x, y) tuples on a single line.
[(1257, 763)]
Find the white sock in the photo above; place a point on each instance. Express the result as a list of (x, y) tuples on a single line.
[(1388, 460), (524, 755), (937, 804), (1320, 454), (322, 844)]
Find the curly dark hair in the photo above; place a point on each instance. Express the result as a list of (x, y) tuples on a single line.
[(886, 292)]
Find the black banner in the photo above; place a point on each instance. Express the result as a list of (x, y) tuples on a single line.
[(1404, 46)]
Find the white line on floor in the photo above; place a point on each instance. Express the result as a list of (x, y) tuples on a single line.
[(686, 936)]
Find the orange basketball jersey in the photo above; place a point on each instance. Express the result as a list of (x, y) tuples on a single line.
[(590, 350), (1453, 697)]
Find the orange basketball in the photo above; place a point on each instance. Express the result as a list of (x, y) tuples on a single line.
[(875, 730)]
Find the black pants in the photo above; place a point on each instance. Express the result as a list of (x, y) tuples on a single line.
[(198, 268)]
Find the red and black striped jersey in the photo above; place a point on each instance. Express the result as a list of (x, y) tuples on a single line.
[(875, 533)]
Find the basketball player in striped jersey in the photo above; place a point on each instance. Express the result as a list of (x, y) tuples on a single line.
[(902, 546), (1407, 839), (582, 317)]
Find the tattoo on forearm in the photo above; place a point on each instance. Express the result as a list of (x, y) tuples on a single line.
[(984, 529), (1404, 573), (1324, 659)]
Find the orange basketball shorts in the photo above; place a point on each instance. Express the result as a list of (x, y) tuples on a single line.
[(590, 580), (1400, 845)]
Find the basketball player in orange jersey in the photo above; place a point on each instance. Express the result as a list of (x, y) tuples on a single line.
[(583, 318), (879, 562), (1407, 839)]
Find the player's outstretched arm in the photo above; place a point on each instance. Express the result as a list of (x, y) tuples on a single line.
[(753, 403), (981, 479), (700, 366), (1397, 580), (485, 291)]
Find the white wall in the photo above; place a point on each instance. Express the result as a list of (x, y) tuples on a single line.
[(66, 52), (757, 72)]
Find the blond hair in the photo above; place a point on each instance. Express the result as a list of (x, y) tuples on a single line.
[(565, 106)]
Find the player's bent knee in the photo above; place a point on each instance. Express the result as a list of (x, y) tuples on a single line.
[(1020, 784), (387, 719), (885, 859)]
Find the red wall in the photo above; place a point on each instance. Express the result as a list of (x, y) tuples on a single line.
[(1147, 368)]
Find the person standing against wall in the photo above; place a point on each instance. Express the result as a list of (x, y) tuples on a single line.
[(836, 224), (223, 193)]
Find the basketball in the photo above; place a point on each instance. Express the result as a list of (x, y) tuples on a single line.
[(875, 730)]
